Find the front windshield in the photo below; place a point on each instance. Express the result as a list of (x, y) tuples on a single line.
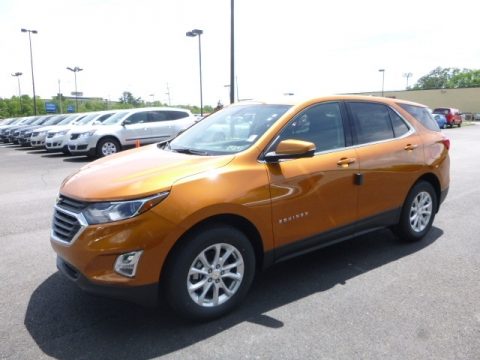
[(86, 119), (68, 119), (116, 118), (54, 120), (40, 120), (228, 131)]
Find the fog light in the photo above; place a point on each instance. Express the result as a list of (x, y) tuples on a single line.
[(126, 264)]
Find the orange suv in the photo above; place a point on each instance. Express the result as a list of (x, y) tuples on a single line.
[(256, 183)]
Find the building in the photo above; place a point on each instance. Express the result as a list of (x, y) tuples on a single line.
[(467, 100)]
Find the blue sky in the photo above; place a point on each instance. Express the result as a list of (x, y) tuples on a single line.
[(304, 47)]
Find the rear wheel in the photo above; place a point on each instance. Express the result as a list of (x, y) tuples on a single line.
[(209, 274), (107, 146), (418, 212)]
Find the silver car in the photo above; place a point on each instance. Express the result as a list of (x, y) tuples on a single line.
[(58, 136), (129, 128)]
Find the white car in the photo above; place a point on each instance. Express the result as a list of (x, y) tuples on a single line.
[(58, 136), (39, 136), (128, 128)]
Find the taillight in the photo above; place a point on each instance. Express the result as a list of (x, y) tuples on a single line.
[(446, 142)]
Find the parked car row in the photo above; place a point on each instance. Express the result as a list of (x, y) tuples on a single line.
[(96, 134)]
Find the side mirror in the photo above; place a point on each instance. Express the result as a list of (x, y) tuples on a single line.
[(291, 149)]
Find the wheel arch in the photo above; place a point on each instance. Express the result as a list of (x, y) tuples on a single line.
[(238, 222), (432, 179)]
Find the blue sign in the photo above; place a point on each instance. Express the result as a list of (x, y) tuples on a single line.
[(70, 108), (50, 107)]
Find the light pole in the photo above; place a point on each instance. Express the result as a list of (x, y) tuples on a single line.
[(232, 51), (193, 33), (383, 79), (75, 70), (31, 64), (407, 75), (17, 75)]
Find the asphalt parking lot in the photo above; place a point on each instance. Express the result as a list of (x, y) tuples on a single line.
[(369, 298)]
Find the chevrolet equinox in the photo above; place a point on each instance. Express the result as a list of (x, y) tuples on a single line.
[(194, 218)]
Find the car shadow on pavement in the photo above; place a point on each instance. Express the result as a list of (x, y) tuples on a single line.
[(37, 151), (78, 159), (67, 323), (54, 155)]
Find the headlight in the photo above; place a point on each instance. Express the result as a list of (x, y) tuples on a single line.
[(42, 133), (61, 133), (87, 134), (104, 212)]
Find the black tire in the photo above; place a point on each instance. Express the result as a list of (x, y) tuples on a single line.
[(413, 228), (186, 257), (459, 124), (107, 146)]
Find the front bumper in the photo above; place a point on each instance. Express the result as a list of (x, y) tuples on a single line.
[(81, 146), (56, 143), (145, 295), (37, 141)]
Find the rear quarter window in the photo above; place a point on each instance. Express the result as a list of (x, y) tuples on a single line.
[(422, 115)]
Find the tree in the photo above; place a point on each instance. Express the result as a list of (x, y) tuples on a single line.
[(448, 78), (128, 99)]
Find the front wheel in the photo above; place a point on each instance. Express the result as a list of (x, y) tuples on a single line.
[(210, 273), (107, 146), (418, 212)]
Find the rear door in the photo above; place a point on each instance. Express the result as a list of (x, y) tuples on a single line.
[(164, 124), (390, 158)]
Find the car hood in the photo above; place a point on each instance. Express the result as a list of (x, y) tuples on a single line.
[(136, 173), (58, 128), (45, 128)]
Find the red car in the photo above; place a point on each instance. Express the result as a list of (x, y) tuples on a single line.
[(453, 116)]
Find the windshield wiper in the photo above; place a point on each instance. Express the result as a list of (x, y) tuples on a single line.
[(188, 151)]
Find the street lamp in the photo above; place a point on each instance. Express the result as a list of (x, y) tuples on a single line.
[(31, 64), (383, 78), (75, 70), (407, 75), (194, 33), (17, 75)]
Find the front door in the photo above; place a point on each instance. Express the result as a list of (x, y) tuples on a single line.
[(317, 195)]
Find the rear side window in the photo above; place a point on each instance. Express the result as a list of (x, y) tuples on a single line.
[(400, 128), (167, 115), (371, 121), (422, 115)]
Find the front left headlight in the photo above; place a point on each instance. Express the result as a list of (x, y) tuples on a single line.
[(87, 134), (110, 211)]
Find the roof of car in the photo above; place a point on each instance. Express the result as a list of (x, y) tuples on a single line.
[(294, 100)]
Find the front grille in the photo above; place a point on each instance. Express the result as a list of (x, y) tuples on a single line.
[(65, 226), (70, 204), (71, 147), (66, 223), (74, 136), (82, 147), (49, 135)]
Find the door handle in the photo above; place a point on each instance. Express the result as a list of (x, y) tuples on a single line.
[(345, 162), (410, 147)]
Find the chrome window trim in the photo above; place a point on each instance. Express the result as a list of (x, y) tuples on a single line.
[(80, 218)]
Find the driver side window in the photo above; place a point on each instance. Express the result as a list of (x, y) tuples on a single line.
[(137, 118), (320, 124)]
